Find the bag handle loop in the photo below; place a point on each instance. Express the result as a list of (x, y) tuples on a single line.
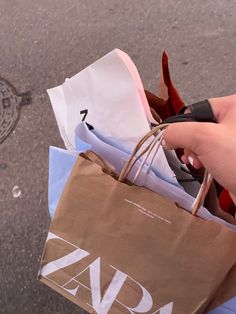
[(157, 132), (106, 166)]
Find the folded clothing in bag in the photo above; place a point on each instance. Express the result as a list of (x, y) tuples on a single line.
[(85, 140)]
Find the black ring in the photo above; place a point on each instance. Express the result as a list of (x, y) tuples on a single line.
[(199, 112), (202, 112)]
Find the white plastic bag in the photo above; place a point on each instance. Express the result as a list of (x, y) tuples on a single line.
[(109, 96)]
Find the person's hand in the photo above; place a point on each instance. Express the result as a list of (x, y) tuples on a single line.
[(210, 145)]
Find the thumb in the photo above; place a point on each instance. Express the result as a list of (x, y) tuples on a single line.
[(188, 135)]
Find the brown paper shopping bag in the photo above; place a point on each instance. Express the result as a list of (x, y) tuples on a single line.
[(117, 248), (226, 291)]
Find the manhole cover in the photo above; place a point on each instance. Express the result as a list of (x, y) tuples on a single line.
[(10, 103)]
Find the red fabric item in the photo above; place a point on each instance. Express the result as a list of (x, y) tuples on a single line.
[(225, 201), (174, 102)]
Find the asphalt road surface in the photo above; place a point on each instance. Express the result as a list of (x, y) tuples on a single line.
[(42, 43)]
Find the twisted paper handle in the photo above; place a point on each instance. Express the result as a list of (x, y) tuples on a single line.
[(157, 132)]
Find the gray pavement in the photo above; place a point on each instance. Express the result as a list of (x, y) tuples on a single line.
[(42, 43)]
